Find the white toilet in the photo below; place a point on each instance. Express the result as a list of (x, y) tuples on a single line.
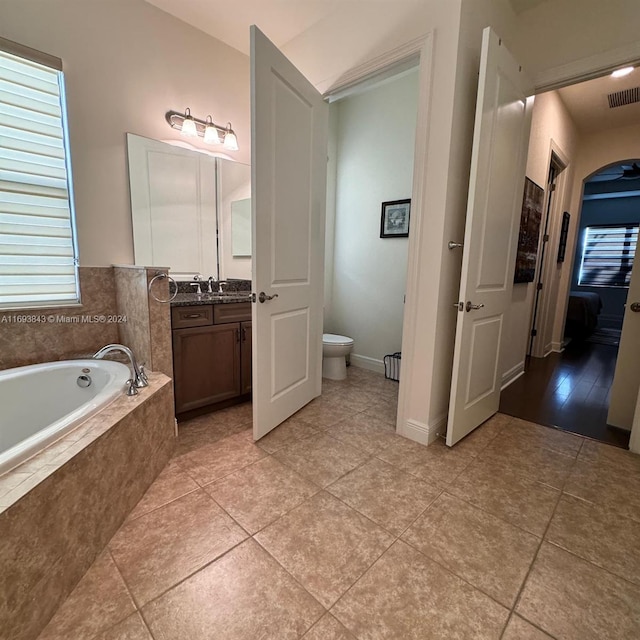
[(335, 349)]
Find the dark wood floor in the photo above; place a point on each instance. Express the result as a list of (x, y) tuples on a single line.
[(569, 390)]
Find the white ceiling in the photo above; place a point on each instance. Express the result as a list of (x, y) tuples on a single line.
[(229, 20), (282, 20), (588, 105)]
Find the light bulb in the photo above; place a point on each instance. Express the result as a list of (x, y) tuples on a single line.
[(211, 135), (189, 128), (620, 73), (230, 140)]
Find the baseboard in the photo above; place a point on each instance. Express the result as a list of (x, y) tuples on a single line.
[(557, 347), (509, 377), (364, 362), (423, 433)]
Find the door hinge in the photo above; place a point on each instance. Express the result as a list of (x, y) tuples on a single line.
[(534, 333), (539, 286), (545, 237), (552, 186)]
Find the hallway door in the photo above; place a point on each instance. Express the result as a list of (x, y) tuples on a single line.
[(289, 124), (500, 143)]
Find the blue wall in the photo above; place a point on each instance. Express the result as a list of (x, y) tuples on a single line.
[(607, 211)]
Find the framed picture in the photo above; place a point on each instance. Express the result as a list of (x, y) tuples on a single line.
[(528, 238), (394, 222), (564, 234)]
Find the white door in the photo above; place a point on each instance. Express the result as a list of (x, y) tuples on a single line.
[(626, 379), (498, 162), (289, 125)]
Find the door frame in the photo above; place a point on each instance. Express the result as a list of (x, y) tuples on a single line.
[(391, 62), (546, 252)]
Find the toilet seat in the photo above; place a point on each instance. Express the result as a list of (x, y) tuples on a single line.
[(332, 338)]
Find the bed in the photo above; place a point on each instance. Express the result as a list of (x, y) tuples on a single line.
[(582, 314)]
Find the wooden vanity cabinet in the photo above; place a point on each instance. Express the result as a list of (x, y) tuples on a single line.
[(211, 354)]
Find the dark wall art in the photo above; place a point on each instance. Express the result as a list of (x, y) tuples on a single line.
[(529, 235), (394, 221)]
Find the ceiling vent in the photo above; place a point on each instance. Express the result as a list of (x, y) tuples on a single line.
[(621, 98)]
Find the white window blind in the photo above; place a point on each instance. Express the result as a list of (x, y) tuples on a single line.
[(607, 256), (38, 256)]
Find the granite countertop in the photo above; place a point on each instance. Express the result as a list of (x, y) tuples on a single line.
[(191, 299)]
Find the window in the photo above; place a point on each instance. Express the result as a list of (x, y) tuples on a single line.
[(607, 256), (38, 255)]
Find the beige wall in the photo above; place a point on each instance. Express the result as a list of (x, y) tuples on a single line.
[(126, 63), (551, 128)]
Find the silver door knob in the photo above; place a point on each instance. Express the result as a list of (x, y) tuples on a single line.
[(473, 306), (263, 297), (454, 245), (635, 307)]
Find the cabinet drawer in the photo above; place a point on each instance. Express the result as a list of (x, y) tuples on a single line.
[(193, 316), (232, 312)]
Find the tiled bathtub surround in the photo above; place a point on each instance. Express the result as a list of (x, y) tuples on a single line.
[(59, 509), (23, 343), (148, 328), (318, 532)]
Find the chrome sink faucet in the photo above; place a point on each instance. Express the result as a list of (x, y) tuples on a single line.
[(139, 376), (196, 283), (212, 281)]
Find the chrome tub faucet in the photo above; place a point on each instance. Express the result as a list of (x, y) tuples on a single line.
[(139, 376)]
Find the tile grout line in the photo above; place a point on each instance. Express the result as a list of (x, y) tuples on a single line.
[(537, 553), (164, 504)]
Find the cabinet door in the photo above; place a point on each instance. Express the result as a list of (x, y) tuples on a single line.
[(206, 364), (245, 355)]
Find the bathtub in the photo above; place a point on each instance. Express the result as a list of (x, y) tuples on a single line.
[(41, 403)]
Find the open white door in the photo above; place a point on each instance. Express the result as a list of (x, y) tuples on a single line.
[(289, 125), (626, 379), (498, 163)]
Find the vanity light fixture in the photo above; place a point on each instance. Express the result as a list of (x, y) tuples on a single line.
[(211, 132)]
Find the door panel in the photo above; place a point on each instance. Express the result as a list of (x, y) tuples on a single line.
[(501, 135), (289, 157), (290, 350), (481, 380)]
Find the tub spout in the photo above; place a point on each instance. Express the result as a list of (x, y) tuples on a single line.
[(139, 376)]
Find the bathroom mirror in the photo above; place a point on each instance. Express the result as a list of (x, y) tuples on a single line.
[(241, 228), (181, 208), (234, 215)]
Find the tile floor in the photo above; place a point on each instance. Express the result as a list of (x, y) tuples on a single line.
[(334, 528)]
